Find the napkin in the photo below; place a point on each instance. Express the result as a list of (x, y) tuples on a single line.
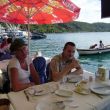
[(19, 101)]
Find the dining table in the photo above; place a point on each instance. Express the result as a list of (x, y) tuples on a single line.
[(46, 96)]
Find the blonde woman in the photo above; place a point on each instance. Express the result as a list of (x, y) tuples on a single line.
[(18, 67)]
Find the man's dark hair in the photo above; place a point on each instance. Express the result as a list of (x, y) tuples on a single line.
[(69, 43), (100, 41)]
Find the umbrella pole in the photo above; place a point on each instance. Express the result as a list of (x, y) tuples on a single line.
[(28, 45), (29, 38)]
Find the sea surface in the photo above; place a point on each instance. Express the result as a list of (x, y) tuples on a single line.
[(54, 43)]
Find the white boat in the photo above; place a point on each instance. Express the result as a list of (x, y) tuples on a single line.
[(93, 51), (37, 35)]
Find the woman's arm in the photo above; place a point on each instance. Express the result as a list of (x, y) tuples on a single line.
[(16, 84), (34, 74)]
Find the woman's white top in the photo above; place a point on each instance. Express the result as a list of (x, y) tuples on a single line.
[(23, 75)]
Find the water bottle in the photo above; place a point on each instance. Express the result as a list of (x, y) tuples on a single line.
[(96, 75)]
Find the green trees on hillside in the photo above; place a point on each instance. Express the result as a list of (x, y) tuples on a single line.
[(73, 27), (69, 27)]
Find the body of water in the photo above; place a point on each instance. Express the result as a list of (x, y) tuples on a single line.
[(54, 43)]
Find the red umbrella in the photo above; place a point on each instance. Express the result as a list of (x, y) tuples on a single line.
[(38, 11)]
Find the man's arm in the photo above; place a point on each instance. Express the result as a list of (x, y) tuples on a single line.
[(56, 75), (78, 68)]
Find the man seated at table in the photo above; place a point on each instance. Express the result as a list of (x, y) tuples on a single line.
[(63, 63)]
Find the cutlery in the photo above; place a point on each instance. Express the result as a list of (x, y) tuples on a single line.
[(101, 97), (27, 97)]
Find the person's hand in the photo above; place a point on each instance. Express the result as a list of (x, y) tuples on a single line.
[(74, 64), (31, 84)]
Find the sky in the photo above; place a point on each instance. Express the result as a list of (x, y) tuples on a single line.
[(90, 11)]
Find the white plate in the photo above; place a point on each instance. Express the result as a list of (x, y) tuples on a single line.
[(42, 92), (64, 93), (37, 92), (50, 106), (101, 89), (43, 106)]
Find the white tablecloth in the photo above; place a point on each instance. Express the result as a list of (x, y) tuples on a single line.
[(84, 102)]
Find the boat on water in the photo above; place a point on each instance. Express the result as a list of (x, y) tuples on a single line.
[(94, 51), (15, 34), (36, 35)]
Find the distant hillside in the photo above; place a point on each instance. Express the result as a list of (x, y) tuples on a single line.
[(70, 27), (73, 27)]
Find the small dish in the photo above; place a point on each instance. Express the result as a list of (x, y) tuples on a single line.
[(31, 91), (37, 92), (64, 93), (43, 106)]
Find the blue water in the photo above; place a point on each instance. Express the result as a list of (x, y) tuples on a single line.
[(54, 43)]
